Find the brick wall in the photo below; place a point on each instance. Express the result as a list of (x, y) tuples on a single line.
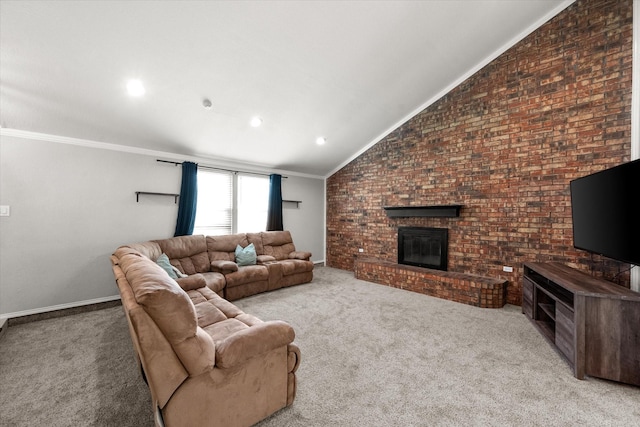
[(505, 144)]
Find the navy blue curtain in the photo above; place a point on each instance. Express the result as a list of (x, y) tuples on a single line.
[(274, 212), (188, 199)]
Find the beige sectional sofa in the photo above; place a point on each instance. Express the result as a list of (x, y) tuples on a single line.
[(207, 363)]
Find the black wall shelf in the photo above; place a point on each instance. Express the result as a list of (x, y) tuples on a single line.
[(445, 211), (296, 202), (175, 196)]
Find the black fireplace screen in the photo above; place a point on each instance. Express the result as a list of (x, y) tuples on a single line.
[(423, 247)]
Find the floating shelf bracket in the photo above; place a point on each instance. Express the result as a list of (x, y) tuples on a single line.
[(175, 196)]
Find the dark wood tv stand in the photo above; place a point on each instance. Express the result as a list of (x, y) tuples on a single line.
[(594, 324)]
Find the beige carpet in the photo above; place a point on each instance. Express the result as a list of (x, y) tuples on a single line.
[(371, 356)]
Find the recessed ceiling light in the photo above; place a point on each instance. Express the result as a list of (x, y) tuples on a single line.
[(321, 140), (135, 87), (256, 121)]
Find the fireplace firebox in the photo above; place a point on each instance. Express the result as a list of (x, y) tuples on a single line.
[(423, 247)]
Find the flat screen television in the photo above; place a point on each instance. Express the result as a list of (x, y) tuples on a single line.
[(606, 219)]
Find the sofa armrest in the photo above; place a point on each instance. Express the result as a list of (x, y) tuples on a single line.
[(261, 259), (224, 267), (300, 255), (189, 283), (253, 341)]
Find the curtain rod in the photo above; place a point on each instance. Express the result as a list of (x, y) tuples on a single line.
[(218, 169)]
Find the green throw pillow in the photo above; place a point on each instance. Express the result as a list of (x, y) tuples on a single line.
[(163, 261), (246, 256)]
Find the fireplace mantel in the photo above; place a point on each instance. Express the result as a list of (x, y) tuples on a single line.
[(450, 211)]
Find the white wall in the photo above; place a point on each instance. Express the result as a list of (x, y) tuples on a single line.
[(72, 206), (306, 221)]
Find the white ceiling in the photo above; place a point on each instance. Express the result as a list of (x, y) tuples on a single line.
[(351, 71)]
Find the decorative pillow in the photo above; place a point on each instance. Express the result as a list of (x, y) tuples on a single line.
[(179, 273), (246, 256), (163, 261)]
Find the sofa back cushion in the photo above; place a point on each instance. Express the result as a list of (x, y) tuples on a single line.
[(256, 239), (223, 248), (171, 309), (278, 244), (187, 253), (151, 250)]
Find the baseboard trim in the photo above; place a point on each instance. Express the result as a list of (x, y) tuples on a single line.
[(3, 327), (58, 310), (66, 309)]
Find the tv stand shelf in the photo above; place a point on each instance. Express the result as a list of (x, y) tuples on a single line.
[(592, 323)]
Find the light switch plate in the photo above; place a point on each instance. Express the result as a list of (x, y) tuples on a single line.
[(5, 210)]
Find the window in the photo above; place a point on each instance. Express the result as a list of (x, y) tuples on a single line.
[(231, 203), (214, 212), (253, 203)]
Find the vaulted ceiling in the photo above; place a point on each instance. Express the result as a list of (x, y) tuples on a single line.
[(349, 71)]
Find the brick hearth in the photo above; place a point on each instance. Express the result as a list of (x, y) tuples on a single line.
[(465, 288)]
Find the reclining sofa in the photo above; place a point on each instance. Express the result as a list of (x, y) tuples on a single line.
[(206, 362)]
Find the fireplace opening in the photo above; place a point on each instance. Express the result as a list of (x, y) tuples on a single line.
[(423, 247)]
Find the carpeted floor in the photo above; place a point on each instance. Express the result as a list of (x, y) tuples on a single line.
[(371, 356)]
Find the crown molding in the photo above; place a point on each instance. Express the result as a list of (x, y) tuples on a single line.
[(165, 155)]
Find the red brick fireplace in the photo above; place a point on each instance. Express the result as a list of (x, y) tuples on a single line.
[(505, 143)]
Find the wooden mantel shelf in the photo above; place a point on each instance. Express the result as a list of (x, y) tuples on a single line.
[(444, 211)]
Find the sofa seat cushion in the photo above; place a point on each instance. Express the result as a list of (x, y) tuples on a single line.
[(206, 299), (247, 274), (237, 336), (294, 266), (221, 330), (211, 308)]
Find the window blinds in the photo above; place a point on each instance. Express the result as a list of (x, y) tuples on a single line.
[(214, 214)]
